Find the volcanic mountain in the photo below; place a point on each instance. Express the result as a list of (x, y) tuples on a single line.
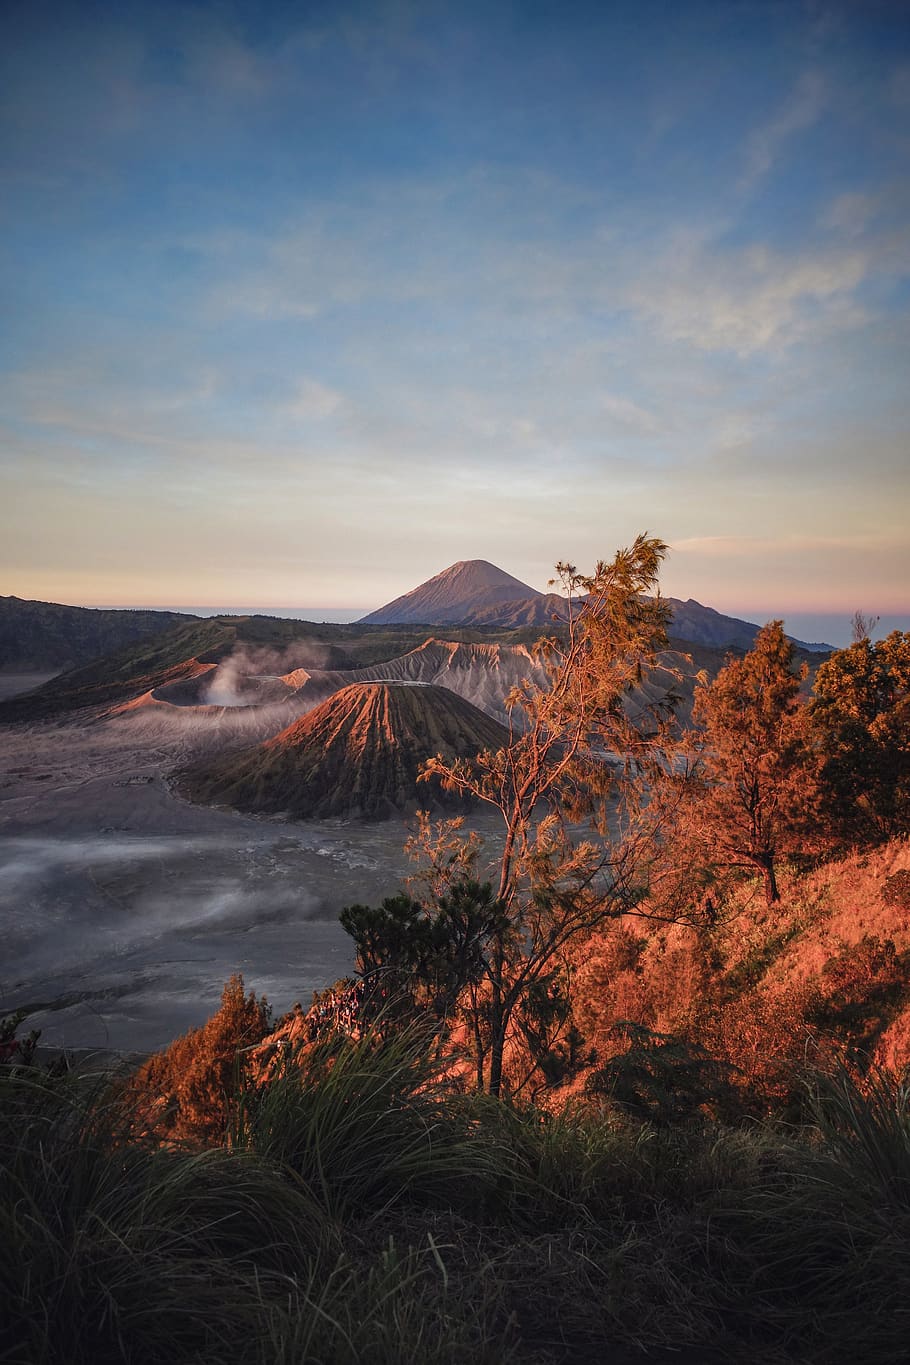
[(358, 753), (470, 585)]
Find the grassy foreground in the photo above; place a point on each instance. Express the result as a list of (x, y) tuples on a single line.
[(358, 1211)]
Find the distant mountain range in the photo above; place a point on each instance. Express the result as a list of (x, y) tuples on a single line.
[(475, 593), (98, 649)]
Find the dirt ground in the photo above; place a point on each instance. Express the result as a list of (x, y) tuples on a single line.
[(124, 909)]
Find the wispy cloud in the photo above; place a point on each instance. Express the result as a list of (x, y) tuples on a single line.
[(850, 213), (741, 546), (800, 111), (752, 299), (628, 415), (314, 401)]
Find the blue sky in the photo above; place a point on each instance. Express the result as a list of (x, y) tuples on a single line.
[(302, 303)]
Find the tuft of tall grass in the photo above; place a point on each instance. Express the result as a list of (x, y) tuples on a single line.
[(588, 1164), (121, 1253), (400, 1306), (817, 1255), (369, 1123), (866, 1128)]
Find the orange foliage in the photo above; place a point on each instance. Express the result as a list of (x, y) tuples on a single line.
[(767, 989), (184, 1094)]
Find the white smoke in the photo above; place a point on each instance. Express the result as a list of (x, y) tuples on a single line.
[(238, 678), (225, 688)]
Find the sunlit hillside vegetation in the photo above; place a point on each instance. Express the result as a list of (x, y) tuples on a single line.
[(642, 1093), (822, 973), (356, 1209)]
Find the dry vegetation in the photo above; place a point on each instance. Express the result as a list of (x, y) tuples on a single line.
[(767, 989)]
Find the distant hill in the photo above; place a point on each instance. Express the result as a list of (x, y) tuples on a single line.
[(705, 626), (266, 643), (38, 637), (451, 596), (474, 593), (358, 753)]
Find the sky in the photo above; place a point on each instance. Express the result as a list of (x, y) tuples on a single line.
[(302, 303)]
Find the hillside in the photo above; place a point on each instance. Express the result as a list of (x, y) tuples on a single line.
[(704, 626), (766, 990), (259, 644), (358, 753), (483, 674), (38, 637)]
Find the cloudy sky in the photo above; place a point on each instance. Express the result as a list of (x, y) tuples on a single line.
[(303, 302)]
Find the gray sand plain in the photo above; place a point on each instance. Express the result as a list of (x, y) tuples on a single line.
[(124, 909)]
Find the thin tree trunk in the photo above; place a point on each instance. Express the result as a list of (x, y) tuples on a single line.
[(479, 1049), (497, 1040), (772, 893)]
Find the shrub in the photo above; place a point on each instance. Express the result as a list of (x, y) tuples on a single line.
[(185, 1093), (896, 890), (113, 1252)]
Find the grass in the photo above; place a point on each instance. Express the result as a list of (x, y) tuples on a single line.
[(368, 1124), (358, 1213), (121, 1252)]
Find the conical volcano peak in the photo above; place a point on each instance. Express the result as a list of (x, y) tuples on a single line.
[(468, 586), (358, 753), (479, 571)]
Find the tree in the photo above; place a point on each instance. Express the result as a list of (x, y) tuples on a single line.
[(862, 625), (747, 796), (570, 784), (186, 1092), (861, 713), (417, 955)]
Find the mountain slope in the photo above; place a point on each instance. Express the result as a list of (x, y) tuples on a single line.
[(468, 586), (358, 753), (179, 654), (691, 623), (37, 637), (705, 626), (483, 674)]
